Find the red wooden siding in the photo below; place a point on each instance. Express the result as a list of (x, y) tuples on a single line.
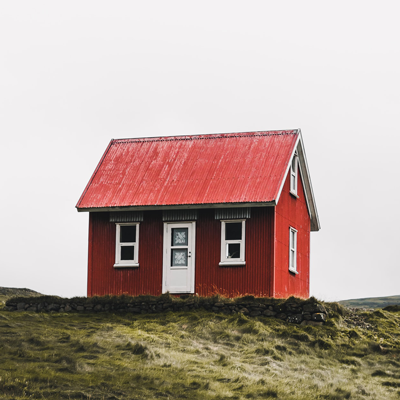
[(254, 278), (104, 278), (292, 212)]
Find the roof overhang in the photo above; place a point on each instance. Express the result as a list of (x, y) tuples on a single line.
[(179, 206)]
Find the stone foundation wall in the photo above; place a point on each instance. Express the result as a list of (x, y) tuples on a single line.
[(293, 310)]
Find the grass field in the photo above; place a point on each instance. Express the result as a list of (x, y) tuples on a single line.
[(198, 355)]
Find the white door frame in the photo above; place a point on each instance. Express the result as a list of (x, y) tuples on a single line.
[(190, 268)]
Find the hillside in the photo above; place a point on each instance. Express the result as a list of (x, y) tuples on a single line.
[(371, 302), (6, 293), (199, 355)]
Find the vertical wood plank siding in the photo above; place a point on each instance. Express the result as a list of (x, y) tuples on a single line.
[(292, 212), (253, 278), (105, 279)]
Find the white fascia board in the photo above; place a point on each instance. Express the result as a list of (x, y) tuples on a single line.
[(315, 225), (306, 181), (287, 168)]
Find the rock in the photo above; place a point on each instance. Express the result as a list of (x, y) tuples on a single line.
[(319, 317), (80, 308), (21, 306), (244, 310), (68, 308), (219, 305), (314, 308), (281, 316), (269, 313), (53, 307), (255, 313), (295, 318), (98, 307)]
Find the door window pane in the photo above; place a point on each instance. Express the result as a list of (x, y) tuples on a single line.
[(233, 250), (179, 257), (127, 252), (128, 234), (233, 231), (179, 237)]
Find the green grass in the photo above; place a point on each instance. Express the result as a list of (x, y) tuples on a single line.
[(198, 355), (372, 302)]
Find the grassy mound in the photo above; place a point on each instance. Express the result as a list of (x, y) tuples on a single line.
[(199, 355), (6, 293)]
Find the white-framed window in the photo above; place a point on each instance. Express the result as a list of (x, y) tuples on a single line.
[(127, 245), (233, 242), (293, 175), (293, 250)]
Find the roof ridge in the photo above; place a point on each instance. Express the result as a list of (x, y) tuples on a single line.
[(208, 136)]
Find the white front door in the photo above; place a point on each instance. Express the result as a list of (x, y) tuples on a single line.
[(179, 257)]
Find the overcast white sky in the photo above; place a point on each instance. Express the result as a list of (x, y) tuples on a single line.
[(75, 74)]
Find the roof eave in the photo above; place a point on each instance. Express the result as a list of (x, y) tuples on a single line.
[(177, 206)]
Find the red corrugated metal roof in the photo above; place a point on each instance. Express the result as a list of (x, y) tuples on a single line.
[(187, 170)]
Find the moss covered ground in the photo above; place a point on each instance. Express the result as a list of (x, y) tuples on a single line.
[(198, 355)]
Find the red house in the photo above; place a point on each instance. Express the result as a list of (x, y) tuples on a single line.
[(222, 213)]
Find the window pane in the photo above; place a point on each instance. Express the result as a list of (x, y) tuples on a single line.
[(127, 252), (233, 231), (127, 233), (294, 164), (292, 239), (179, 257), (293, 182), (179, 237), (292, 254), (233, 250)]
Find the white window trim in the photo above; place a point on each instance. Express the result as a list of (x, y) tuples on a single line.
[(229, 261), (126, 263), (293, 249), (294, 173)]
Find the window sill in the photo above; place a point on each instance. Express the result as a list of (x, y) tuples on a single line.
[(294, 194), (293, 271), (132, 265), (231, 263)]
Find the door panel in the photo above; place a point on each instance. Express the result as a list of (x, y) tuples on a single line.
[(178, 258)]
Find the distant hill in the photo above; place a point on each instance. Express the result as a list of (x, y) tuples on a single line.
[(6, 293), (371, 302)]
